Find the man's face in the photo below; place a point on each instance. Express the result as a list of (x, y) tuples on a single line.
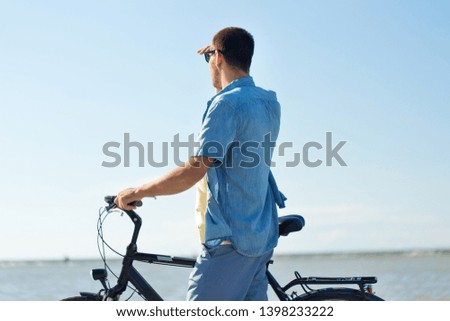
[(215, 73)]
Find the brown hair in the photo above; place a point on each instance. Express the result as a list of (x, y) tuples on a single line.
[(236, 45)]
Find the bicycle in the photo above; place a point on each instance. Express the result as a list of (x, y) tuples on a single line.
[(362, 290)]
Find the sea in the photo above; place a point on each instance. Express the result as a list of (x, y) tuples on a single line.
[(402, 276)]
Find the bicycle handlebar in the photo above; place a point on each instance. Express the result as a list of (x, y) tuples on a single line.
[(110, 200), (137, 221)]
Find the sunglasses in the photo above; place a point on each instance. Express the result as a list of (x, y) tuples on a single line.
[(209, 53)]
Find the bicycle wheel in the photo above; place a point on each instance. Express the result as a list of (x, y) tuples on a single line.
[(337, 294)]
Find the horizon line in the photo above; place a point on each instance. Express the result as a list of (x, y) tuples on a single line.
[(287, 254)]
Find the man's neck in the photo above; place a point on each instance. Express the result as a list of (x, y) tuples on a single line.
[(231, 75)]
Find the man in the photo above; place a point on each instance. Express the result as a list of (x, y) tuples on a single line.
[(238, 227)]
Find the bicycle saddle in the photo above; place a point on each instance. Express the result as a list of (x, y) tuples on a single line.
[(290, 223)]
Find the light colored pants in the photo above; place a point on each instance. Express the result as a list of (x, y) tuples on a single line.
[(222, 274)]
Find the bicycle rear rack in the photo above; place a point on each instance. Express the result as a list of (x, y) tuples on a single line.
[(364, 282)]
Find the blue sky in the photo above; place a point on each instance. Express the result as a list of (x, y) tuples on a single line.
[(75, 75)]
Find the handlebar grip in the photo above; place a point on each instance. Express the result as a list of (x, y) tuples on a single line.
[(110, 200), (136, 203)]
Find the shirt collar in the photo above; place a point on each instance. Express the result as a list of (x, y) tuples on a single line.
[(240, 82)]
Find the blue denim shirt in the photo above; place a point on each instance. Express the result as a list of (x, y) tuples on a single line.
[(239, 130)]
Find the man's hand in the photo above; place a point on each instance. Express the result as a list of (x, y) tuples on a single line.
[(126, 197), (204, 49)]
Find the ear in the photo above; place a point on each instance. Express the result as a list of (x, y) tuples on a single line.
[(219, 59)]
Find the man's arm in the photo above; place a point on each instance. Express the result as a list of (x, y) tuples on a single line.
[(176, 181)]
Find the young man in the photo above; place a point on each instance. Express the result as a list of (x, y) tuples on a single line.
[(238, 227)]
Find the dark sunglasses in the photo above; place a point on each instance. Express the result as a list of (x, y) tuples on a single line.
[(209, 53)]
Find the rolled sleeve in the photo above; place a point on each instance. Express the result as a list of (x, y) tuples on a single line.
[(218, 130)]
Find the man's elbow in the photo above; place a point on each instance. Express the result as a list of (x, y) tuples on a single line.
[(201, 162), (198, 166)]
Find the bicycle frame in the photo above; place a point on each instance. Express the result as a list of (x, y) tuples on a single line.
[(129, 274)]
